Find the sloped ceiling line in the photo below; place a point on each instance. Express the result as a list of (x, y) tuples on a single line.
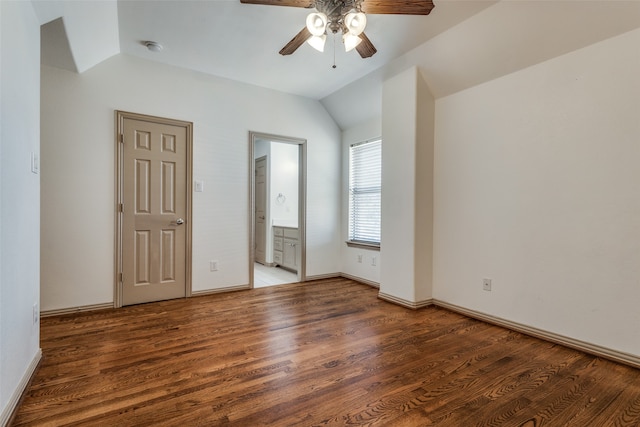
[(90, 30), (459, 45)]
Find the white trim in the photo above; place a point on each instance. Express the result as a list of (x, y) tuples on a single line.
[(220, 290), (92, 307), (594, 349), (361, 280), (356, 244), (323, 276), (12, 405), (355, 144), (405, 303)]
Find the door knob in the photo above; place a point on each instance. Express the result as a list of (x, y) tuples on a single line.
[(261, 217), (179, 221)]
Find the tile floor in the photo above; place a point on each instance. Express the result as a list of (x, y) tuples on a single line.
[(268, 276)]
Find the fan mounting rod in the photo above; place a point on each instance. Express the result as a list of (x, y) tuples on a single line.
[(336, 10)]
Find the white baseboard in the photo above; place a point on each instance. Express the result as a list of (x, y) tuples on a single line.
[(322, 276), (361, 280), (12, 405), (594, 349), (49, 313), (220, 290), (267, 264), (405, 303)]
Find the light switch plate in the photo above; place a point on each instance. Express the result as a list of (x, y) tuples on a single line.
[(199, 186)]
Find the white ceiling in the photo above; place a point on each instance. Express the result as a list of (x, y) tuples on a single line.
[(506, 37), (460, 44), (241, 41)]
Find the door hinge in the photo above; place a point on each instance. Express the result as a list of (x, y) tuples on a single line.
[(122, 138), (121, 278), (121, 207)]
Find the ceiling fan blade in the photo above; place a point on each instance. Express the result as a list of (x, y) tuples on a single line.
[(292, 3), (365, 48), (296, 42), (397, 7)]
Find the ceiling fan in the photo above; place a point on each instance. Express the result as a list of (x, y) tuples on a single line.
[(346, 16)]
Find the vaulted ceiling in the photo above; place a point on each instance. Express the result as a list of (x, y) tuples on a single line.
[(462, 43)]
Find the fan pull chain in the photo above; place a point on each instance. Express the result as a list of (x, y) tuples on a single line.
[(334, 51)]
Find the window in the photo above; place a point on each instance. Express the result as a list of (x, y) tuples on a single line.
[(365, 183)]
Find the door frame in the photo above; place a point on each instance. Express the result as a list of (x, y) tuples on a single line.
[(120, 117), (302, 198)]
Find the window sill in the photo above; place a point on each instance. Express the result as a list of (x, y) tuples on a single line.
[(363, 245)]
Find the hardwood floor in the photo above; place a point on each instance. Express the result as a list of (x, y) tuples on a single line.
[(321, 353)]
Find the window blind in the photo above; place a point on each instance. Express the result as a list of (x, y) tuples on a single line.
[(365, 184)]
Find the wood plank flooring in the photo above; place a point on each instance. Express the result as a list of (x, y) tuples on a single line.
[(327, 352)]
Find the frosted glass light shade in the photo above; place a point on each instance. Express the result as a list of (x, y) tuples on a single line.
[(355, 22), (317, 42), (350, 41), (317, 23)]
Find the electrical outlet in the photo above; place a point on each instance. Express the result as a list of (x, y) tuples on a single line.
[(36, 313), (486, 284), (360, 258), (374, 261), (213, 265)]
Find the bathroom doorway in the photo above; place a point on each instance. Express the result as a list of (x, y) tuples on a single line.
[(278, 195)]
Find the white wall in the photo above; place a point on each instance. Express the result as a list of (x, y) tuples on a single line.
[(407, 183), (81, 18), (537, 186), (423, 222), (398, 185), (19, 199), (364, 270), (78, 171), (284, 180)]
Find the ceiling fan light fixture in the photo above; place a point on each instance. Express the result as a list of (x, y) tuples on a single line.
[(355, 22), (350, 41), (317, 42), (317, 23)]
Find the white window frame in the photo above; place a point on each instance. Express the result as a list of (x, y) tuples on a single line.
[(365, 188)]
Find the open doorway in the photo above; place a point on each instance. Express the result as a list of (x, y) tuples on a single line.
[(277, 196)]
